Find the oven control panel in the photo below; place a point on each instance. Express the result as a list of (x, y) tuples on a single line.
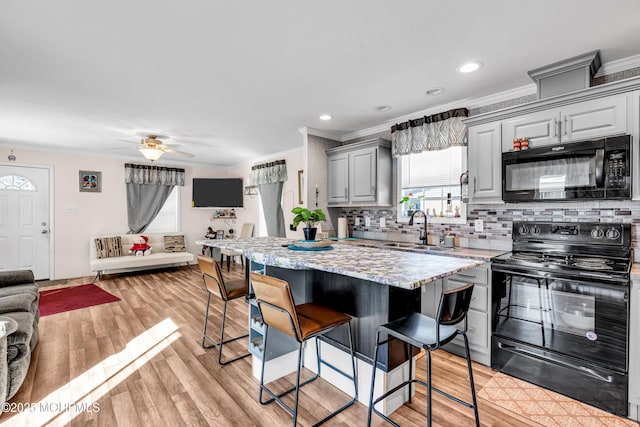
[(587, 233)]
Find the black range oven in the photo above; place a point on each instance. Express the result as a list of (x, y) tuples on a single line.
[(560, 310)]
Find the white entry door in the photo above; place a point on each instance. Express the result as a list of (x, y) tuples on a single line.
[(24, 219)]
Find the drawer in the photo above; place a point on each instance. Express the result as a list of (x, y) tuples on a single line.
[(477, 332), (475, 275), (479, 299)]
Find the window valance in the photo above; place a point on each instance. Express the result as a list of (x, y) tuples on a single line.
[(435, 132), (270, 172), (155, 175)]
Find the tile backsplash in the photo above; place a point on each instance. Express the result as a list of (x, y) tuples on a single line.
[(497, 221)]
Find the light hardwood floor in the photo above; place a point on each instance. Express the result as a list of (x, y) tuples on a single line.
[(139, 362)]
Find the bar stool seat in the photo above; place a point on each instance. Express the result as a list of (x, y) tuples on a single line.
[(302, 322), (229, 290), (429, 334)]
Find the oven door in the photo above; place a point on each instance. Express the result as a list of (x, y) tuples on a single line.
[(585, 320)]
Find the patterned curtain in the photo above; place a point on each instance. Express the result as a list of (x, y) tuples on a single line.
[(436, 132), (270, 172), (158, 175), (270, 178), (148, 188)]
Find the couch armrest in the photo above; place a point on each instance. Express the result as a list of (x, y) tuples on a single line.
[(16, 277)]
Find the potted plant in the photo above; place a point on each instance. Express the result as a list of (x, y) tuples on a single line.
[(309, 217)]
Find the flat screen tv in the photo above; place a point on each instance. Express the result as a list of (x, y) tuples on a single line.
[(217, 193)]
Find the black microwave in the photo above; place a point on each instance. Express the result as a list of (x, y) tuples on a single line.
[(594, 170)]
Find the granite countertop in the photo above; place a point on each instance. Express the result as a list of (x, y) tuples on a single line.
[(401, 269), (459, 252)]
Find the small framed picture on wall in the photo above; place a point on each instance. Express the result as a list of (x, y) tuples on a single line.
[(90, 181)]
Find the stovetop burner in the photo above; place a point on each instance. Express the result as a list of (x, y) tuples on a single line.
[(580, 249)]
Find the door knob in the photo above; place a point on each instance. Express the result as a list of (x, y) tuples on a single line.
[(44, 231)]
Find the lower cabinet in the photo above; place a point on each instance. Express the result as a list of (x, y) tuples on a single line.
[(634, 351), (479, 326)]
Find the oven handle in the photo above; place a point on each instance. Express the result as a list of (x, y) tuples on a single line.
[(588, 371), (600, 167), (601, 282)]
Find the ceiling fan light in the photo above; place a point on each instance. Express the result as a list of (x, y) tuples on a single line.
[(151, 153)]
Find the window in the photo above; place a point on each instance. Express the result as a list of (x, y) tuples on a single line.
[(431, 181), (16, 182), (168, 219)]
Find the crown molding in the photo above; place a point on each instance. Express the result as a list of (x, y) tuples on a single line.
[(321, 133), (619, 65), (462, 103)]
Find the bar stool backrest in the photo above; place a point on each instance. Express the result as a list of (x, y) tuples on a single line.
[(454, 305), (212, 276), (276, 304)]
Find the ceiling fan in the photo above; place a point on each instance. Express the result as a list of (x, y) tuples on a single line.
[(153, 148)]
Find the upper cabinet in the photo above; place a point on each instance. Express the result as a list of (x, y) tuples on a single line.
[(359, 174), (574, 122), (485, 163)]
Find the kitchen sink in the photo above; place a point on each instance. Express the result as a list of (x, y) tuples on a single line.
[(415, 247), (399, 245)]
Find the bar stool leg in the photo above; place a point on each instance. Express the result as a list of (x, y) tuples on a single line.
[(206, 320), (373, 378), (473, 389), (429, 388)]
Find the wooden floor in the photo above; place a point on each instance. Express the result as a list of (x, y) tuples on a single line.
[(138, 362)]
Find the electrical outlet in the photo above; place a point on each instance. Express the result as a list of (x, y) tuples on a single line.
[(383, 222), (357, 221), (478, 225), (71, 210), (367, 221), (292, 228)]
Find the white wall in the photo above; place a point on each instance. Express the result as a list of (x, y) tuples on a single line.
[(106, 213), (99, 213)]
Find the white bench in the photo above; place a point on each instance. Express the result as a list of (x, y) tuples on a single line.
[(127, 262)]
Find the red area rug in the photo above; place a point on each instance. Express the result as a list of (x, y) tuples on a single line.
[(73, 298)]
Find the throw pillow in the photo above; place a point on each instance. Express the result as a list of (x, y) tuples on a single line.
[(108, 247), (174, 244)]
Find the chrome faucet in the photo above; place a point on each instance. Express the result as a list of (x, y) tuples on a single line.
[(424, 237)]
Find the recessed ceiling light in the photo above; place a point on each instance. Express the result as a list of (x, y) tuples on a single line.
[(383, 108), (470, 67), (325, 117), (434, 91)]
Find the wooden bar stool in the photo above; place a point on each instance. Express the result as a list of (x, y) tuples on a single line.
[(302, 322), (227, 291), (422, 331)]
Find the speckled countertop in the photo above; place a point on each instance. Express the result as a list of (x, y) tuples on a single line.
[(402, 269)]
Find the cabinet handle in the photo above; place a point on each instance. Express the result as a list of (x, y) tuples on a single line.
[(474, 185), (345, 194), (555, 128), (565, 125)]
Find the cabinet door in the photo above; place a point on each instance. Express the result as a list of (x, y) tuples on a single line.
[(485, 163), (541, 128), (591, 119), (362, 175), (338, 172)]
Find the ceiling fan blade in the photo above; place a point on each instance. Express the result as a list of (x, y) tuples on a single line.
[(172, 151)]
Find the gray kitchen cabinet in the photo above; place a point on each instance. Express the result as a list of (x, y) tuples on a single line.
[(485, 163), (359, 174), (338, 172), (573, 122), (479, 321), (634, 351), (479, 325)]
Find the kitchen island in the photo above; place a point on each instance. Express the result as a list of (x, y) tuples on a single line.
[(372, 285)]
